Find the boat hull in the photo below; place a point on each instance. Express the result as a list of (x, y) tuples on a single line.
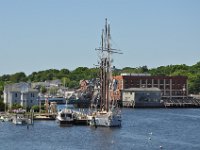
[(65, 117), (106, 121), (66, 122), (19, 121)]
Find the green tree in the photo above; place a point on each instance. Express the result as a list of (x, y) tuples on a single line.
[(18, 77), (43, 89), (53, 90), (1, 88), (16, 106), (65, 81), (2, 105), (35, 108), (73, 84), (194, 84)]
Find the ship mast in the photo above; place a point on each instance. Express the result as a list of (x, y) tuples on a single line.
[(105, 67)]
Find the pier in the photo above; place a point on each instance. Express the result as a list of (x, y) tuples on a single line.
[(182, 103)]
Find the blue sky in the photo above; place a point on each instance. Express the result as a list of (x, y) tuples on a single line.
[(44, 34)]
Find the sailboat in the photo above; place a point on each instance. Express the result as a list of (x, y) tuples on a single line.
[(109, 114)]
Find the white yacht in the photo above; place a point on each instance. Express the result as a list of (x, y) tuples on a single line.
[(65, 117)]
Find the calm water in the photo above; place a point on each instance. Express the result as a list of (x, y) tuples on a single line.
[(173, 129)]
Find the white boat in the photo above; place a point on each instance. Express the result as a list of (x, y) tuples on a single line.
[(65, 117), (109, 114), (20, 120), (5, 117), (107, 119)]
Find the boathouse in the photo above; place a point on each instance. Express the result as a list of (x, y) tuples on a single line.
[(142, 97)]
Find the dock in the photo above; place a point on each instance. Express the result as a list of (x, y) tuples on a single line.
[(182, 103), (45, 116)]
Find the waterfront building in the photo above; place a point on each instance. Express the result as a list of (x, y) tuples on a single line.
[(20, 93), (142, 97), (172, 87)]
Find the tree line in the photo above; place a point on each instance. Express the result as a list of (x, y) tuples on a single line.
[(71, 79)]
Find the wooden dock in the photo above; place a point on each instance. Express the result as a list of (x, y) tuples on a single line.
[(182, 103), (45, 116)]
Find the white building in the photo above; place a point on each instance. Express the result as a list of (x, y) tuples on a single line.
[(20, 93)]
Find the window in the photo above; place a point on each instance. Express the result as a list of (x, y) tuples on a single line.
[(167, 81), (155, 81), (161, 81), (32, 95), (15, 94)]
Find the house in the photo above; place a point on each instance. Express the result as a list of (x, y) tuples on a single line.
[(47, 84), (83, 85), (55, 83), (20, 93), (70, 93)]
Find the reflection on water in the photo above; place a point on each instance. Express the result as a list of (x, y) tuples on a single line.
[(141, 129)]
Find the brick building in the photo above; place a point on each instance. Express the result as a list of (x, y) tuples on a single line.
[(170, 86)]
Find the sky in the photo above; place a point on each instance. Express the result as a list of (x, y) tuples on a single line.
[(38, 35)]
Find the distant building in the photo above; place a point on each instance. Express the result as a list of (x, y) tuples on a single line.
[(20, 93), (47, 84), (55, 83), (83, 85), (171, 86), (70, 93), (87, 85), (141, 97)]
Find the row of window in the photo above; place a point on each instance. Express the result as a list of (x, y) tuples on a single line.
[(31, 101), (178, 86), (31, 94), (150, 81)]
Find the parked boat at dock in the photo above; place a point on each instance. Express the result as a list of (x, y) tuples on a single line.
[(20, 120), (65, 117)]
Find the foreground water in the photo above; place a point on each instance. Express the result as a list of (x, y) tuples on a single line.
[(142, 129)]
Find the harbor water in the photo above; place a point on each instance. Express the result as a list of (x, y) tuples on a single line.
[(142, 129)]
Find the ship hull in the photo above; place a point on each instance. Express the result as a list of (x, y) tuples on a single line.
[(106, 120)]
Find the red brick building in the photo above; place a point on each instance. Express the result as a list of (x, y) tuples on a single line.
[(170, 86)]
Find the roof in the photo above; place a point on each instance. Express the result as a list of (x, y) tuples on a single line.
[(29, 90), (19, 87), (142, 89)]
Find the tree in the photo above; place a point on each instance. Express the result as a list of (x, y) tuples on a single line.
[(35, 108), (65, 81), (2, 105), (16, 106), (43, 89), (194, 84), (1, 88), (73, 84), (53, 90), (18, 77)]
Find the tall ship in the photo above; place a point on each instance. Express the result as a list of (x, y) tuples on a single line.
[(109, 114)]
